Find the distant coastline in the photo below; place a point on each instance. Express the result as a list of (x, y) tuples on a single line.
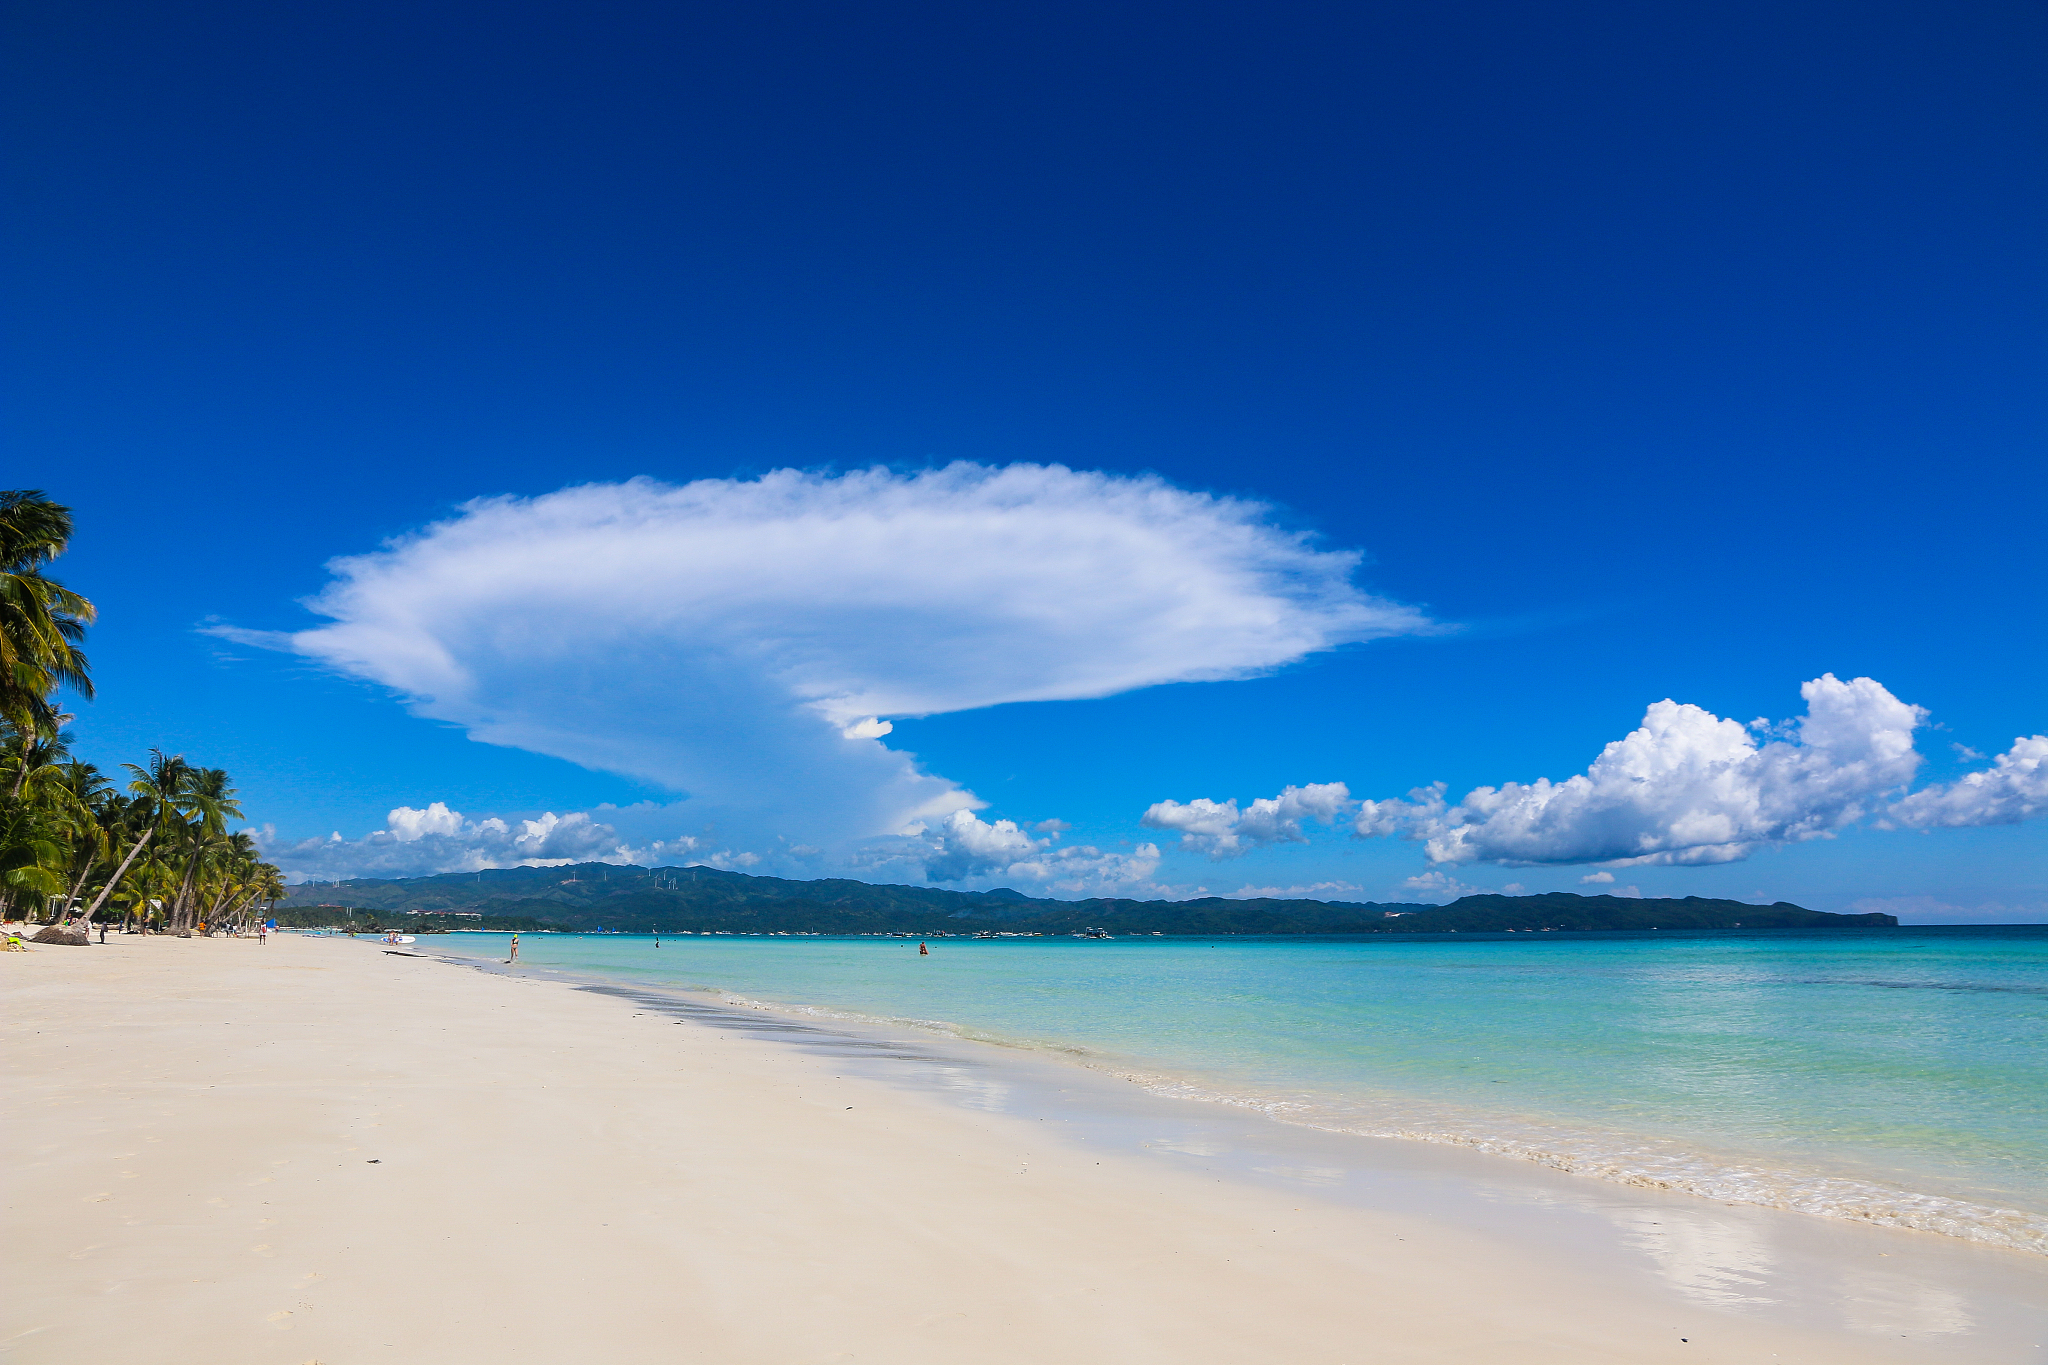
[(595, 896)]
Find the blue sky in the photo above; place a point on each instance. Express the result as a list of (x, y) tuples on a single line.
[(1679, 352)]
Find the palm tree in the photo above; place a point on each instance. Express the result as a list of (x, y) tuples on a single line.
[(270, 887), (41, 620), (233, 871), (161, 790), (129, 821), (31, 858), (43, 818), (207, 803)]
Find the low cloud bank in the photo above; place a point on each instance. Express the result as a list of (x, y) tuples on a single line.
[(1686, 788), (436, 839), (963, 846), (424, 842)]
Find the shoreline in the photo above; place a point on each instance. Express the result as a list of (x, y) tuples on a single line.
[(1843, 1191), (210, 1105)]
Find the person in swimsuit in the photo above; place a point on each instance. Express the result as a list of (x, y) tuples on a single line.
[(515, 950), (923, 951)]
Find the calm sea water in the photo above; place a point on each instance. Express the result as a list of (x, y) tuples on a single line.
[(1893, 1076)]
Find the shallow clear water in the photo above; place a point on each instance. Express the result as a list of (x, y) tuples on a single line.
[(1893, 1076)]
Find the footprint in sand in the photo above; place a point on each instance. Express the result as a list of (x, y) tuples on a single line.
[(278, 1318), (101, 1197), (261, 1248)]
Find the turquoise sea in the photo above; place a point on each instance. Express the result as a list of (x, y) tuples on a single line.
[(1892, 1076)]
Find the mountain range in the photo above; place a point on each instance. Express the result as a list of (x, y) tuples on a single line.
[(592, 896)]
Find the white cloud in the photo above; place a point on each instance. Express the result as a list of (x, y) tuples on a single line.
[(1320, 891), (1221, 830), (421, 843), (1686, 788), (967, 845), (724, 859), (418, 843), (1600, 877), (2013, 789), (964, 846), (408, 825), (1439, 886), (744, 641)]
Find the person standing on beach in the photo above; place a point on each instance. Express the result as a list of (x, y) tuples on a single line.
[(515, 951)]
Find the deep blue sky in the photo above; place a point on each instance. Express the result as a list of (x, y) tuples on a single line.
[(1674, 351)]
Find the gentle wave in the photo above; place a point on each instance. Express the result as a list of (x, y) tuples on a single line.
[(1654, 1165), (1922, 985), (1613, 1157)]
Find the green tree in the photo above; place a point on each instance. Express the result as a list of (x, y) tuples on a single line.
[(41, 620), (161, 789)]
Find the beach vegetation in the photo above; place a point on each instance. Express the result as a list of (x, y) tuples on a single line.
[(74, 842)]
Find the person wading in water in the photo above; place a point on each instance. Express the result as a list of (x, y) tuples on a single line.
[(923, 951)]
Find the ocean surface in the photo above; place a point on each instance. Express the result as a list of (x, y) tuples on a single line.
[(1897, 1076)]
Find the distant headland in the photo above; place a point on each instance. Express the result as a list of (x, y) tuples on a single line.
[(593, 896)]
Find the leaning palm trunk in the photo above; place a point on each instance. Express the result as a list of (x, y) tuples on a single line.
[(76, 887), (115, 880), (235, 911)]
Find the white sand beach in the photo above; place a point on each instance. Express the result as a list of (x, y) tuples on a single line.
[(311, 1150)]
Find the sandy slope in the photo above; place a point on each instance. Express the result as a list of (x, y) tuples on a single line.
[(223, 1152)]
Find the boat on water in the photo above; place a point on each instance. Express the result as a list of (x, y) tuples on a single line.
[(1095, 933)]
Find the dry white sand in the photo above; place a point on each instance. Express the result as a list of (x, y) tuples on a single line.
[(226, 1152)]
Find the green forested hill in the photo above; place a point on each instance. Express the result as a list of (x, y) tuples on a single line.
[(595, 895)]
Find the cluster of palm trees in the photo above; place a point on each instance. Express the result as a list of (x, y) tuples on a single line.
[(154, 852)]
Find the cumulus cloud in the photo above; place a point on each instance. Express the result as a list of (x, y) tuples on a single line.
[(423, 842), (1602, 878), (1221, 830), (416, 843), (1687, 787), (2013, 789), (963, 846), (746, 641)]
